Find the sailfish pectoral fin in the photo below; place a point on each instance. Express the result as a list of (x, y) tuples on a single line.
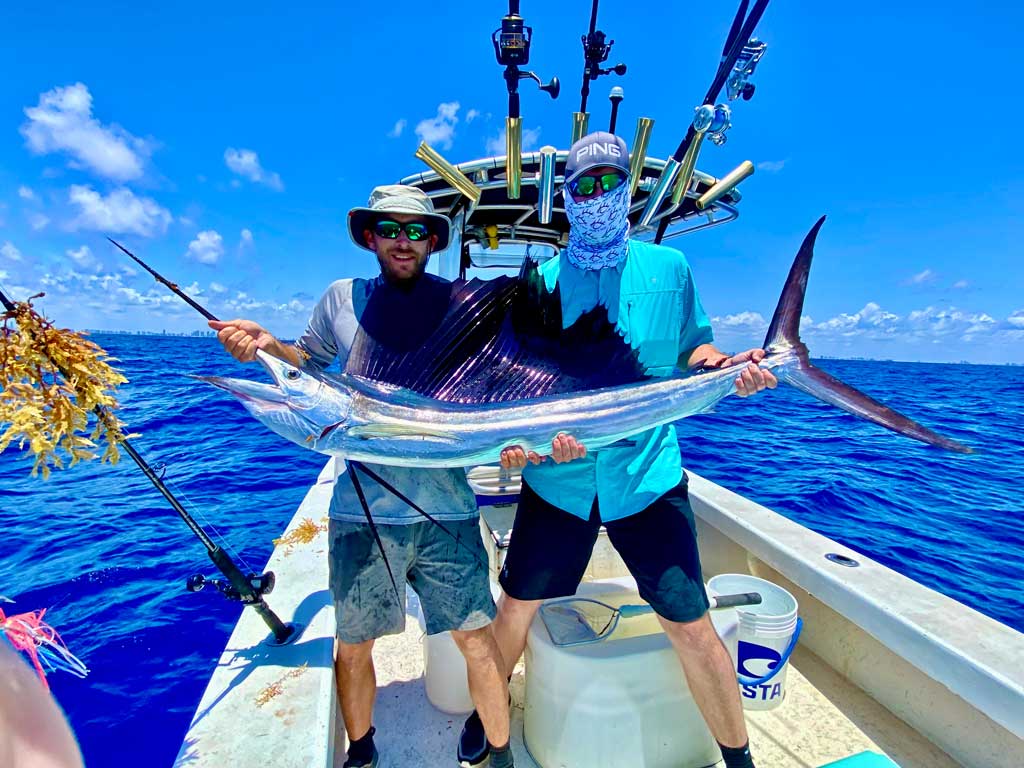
[(784, 336), (399, 431)]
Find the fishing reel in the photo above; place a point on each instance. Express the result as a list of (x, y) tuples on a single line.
[(737, 85), (595, 52), (713, 122), (512, 49), (261, 585)]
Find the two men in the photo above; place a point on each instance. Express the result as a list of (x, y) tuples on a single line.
[(399, 309), (636, 488)]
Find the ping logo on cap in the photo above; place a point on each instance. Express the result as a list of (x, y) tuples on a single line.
[(598, 148)]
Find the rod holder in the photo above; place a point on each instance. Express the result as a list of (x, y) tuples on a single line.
[(546, 190), (726, 184), (638, 155), (580, 121), (660, 191), (686, 168), (513, 156), (448, 172)]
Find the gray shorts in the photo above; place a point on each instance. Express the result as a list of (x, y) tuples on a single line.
[(449, 575)]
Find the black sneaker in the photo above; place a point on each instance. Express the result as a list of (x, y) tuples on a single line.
[(473, 746), (363, 760)]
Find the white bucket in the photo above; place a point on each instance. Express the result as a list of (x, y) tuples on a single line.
[(763, 636)]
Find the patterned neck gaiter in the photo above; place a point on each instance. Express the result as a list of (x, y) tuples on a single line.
[(598, 229)]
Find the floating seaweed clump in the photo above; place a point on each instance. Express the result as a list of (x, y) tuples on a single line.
[(51, 379)]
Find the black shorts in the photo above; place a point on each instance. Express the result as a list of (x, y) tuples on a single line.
[(550, 549)]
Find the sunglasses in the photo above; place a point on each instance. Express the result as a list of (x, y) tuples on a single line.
[(389, 230), (586, 186)]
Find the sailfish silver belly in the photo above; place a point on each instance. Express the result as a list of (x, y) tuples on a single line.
[(398, 427)]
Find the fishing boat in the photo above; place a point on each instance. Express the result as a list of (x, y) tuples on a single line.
[(886, 672)]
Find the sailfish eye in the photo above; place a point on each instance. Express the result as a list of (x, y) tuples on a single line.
[(292, 374)]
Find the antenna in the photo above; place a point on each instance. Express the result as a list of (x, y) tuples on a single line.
[(615, 97)]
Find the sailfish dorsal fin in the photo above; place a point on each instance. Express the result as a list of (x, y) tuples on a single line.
[(501, 340)]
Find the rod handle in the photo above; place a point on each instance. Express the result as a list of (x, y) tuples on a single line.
[(732, 601)]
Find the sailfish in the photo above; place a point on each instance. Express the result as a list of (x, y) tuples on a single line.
[(500, 371)]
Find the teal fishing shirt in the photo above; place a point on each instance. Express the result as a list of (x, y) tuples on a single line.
[(652, 300)]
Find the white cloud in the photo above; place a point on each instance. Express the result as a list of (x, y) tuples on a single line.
[(742, 321), (922, 278), (1016, 319), (960, 285), (472, 115), (771, 166), (246, 163), (399, 127), (38, 221), (496, 144), (439, 131), (63, 122), (120, 211), (3, 274), (9, 252), (83, 257), (245, 239), (25, 193), (207, 248), (218, 288)]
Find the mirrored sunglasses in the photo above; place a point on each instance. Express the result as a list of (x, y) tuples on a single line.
[(389, 230), (587, 186)]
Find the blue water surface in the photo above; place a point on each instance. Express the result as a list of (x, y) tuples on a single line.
[(103, 551)]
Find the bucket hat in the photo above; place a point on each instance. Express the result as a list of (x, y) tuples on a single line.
[(398, 198)]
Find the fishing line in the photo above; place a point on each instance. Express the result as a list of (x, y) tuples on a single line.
[(197, 511)]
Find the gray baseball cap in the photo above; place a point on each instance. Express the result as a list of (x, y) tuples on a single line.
[(595, 150), (398, 198)]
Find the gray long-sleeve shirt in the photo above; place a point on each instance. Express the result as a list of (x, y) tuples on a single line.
[(443, 493)]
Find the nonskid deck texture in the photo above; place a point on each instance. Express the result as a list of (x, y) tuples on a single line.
[(823, 718)]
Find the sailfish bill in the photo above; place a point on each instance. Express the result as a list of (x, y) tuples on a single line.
[(486, 380)]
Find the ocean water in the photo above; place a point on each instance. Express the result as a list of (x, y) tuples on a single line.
[(101, 550)]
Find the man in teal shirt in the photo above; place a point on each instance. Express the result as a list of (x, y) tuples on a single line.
[(636, 488)]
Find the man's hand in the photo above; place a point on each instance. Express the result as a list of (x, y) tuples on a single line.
[(563, 448), (753, 378), (241, 338)]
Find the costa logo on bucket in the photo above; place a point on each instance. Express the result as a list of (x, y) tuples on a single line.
[(756, 660)]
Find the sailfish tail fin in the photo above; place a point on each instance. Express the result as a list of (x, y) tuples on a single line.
[(784, 336)]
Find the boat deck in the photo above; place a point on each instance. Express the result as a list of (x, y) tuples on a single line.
[(848, 691), (823, 719)]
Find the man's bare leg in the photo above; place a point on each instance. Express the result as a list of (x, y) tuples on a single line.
[(487, 684), (357, 686), (711, 676), (511, 626)]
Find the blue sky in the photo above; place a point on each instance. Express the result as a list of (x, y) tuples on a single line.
[(225, 146)]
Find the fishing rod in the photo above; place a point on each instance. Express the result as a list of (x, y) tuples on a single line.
[(710, 120), (352, 466), (248, 590), (595, 52), (512, 49)]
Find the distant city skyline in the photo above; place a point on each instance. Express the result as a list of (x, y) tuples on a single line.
[(235, 179)]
